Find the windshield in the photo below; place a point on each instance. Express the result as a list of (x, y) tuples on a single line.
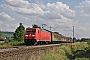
[(30, 30)]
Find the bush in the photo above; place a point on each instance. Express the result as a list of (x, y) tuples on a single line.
[(11, 43), (15, 43), (1, 39), (80, 46), (1, 43), (66, 49), (88, 50)]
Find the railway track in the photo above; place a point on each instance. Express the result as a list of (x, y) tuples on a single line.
[(15, 52)]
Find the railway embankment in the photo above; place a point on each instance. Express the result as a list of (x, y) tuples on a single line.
[(66, 51), (26, 52)]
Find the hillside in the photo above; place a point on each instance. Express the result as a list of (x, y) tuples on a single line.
[(7, 34)]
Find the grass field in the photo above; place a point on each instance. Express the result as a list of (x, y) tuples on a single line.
[(7, 34)]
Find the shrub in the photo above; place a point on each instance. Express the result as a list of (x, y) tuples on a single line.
[(66, 49), (1, 43), (1, 39), (15, 43)]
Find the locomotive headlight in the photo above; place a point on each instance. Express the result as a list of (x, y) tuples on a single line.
[(26, 35), (33, 35)]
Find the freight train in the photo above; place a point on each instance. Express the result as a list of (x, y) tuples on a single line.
[(37, 35)]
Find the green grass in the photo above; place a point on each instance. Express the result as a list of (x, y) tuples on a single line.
[(56, 54), (15, 43), (65, 52), (12, 43)]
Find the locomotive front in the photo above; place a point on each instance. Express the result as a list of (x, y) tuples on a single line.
[(30, 36)]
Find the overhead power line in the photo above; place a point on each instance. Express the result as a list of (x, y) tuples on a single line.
[(20, 13), (48, 16)]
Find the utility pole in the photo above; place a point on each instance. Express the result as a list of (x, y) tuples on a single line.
[(73, 34), (50, 28)]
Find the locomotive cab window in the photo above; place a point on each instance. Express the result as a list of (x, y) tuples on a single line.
[(30, 30)]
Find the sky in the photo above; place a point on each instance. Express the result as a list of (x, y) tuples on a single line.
[(61, 15)]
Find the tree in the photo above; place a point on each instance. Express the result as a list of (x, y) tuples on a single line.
[(19, 33), (83, 39), (56, 32), (35, 26), (74, 39)]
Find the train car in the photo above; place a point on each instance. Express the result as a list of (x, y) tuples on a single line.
[(34, 35), (58, 38)]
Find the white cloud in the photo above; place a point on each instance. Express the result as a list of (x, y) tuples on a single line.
[(5, 17), (61, 9), (5, 24), (8, 26), (22, 7), (17, 3), (33, 11), (54, 10), (84, 8), (82, 28), (50, 13)]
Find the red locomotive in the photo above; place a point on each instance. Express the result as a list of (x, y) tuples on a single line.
[(34, 35)]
